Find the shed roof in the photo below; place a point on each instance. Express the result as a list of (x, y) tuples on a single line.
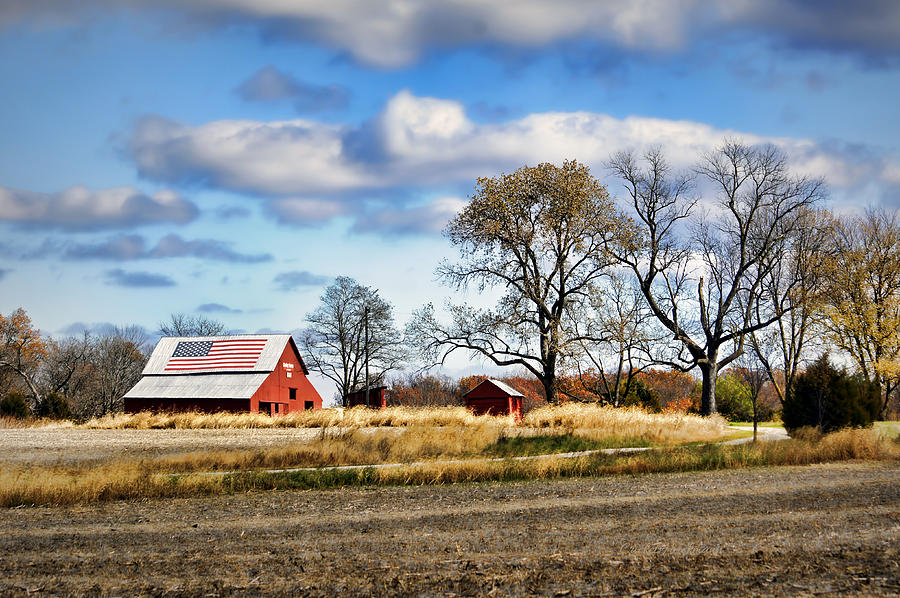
[(194, 386), (501, 386), (266, 362)]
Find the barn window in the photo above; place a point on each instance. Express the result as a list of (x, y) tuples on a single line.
[(292, 394), (308, 405)]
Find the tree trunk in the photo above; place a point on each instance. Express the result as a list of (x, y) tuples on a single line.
[(36, 400), (550, 388), (710, 371), (755, 416)]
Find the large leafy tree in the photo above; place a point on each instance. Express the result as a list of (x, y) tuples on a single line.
[(542, 234), (863, 297), (703, 272), (351, 338)]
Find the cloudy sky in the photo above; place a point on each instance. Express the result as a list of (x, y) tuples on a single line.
[(230, 157)]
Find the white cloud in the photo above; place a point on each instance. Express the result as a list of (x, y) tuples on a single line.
[(313, 170), (428, 219), (391, 33), (80, 208), (891, 172), (274, 158), (305, 211)]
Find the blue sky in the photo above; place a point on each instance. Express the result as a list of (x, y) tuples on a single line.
[(233, 156)]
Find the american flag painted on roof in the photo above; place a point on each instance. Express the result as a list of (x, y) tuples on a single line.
[(216, 355)]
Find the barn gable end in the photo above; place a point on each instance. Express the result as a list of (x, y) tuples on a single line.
[(493, 397)]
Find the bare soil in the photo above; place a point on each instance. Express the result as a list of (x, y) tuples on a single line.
[(816, 530), (70, 446)]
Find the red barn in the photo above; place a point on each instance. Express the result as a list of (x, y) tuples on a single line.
[(255, 373), (493, 397), (377, 399)]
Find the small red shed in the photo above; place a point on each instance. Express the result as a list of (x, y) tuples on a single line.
[(493, 397), (257, 373), (377, 399)]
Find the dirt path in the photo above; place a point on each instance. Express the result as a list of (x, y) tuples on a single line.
[(782, 531), (765, 434)]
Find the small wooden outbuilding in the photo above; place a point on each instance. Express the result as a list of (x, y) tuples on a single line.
[(377, 399), (259, 373), (493, 397)]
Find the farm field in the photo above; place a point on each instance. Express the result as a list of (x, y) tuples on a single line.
[(70, 446), (830, 528)]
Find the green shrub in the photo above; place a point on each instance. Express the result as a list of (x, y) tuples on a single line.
[(829, 399), (14, 405), (733, 398), (641, 395), (54, 406)]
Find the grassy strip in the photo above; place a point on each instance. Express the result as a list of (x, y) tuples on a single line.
[(137, 481), (888, 429), (545, 444)]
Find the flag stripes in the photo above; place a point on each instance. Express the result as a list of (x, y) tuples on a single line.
[(219, 354)]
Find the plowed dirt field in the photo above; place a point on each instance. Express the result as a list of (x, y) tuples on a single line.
[(818, 530)]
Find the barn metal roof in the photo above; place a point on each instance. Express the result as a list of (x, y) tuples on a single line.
[(267, 361), (194, 386), (502, 386), (506, 388)]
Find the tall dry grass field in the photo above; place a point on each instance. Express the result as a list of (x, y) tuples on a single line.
[(355, 417), (597, 421), (153, 478), (584, 418), (345, 446)]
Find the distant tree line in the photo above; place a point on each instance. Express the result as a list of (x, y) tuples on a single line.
[(78, 376)]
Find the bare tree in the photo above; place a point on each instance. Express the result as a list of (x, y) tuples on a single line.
[(65, 369), (704, 276), (116, 360), (541, 233), (351, 338), (181, 324), (798, 279), (419, 389), (755, 375), (619, 338)]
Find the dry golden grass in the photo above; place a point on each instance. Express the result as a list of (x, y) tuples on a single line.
[(596, 421), (26, 486), (322, 418), (141, 479), (30, 422), (346, 446), (584, 418)]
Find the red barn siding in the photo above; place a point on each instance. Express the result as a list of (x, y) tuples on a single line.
[(487, 399), (376, 398), (275, 390), (180, 405)]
